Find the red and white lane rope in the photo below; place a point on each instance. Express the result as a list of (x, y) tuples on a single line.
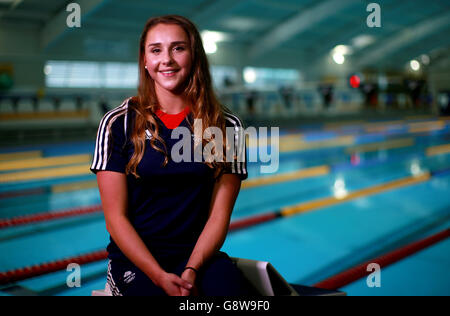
[(47, 216), (45, 268), (342, 279)]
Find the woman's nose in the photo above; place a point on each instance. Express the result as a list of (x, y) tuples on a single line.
[(167, 57)]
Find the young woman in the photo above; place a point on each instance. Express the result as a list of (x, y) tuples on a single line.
[(168, 220)]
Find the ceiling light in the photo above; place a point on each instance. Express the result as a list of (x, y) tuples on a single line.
[(425, 59), (362, 41), (249, 75), (211, 38), (210, 47), (343, 50), (338, 58), (214, 36), (415, 65)]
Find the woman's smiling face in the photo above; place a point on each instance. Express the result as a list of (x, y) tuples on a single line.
[(168, 57)]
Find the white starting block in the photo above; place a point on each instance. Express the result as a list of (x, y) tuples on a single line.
[(265, 279)]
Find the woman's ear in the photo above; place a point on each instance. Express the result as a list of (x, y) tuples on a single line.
[(145, 61)]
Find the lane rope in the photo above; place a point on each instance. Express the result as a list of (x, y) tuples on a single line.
[(46, 268), (47, 216), (347, 277)]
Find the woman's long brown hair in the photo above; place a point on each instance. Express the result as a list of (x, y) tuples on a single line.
[(198, 91)]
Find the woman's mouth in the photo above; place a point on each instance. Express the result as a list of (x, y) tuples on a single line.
[(169, 73)]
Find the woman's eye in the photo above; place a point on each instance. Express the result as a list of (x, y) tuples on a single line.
[(155, 50), (179, 48)]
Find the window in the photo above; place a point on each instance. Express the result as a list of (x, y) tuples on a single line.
[(86, 74), (224, 76), (259, 77)]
